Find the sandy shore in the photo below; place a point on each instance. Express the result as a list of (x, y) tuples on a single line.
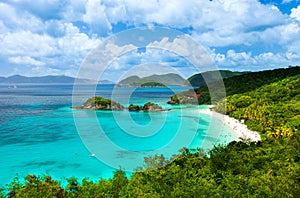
[(239, 128)]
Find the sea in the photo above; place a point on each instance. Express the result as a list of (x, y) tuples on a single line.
[(41, 134)]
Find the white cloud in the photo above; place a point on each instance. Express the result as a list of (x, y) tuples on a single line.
[(25, 60), (24, 43), (62, 53), (242, 56), (186, 47), (96, 17), (289, 33), (295, 13), (99, 60), (51, 32), (74, 42), (294, 47), (246, 61), (74, 10), (18, 19), (237, 23)]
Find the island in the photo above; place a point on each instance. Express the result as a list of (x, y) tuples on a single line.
[(152, 84), (158, 80), (147, 107), (100, 103)]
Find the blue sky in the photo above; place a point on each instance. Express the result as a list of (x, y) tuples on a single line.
[(53, 37)]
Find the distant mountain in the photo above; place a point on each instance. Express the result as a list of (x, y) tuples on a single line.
[(129, 80), (166, 79), (17, 79), (210, 76), (106, 82)]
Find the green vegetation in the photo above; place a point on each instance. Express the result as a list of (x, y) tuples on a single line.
[(234, 85), (97, 100), (152, 84), (270, 168), (100, 103), (210, 76), (164, 79), (129, 80), (272, 109), (147, 107)]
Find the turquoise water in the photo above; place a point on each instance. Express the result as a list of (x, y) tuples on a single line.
[(41, 134)]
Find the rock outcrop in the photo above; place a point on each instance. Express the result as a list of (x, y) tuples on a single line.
[(147, 107), (99, 103)]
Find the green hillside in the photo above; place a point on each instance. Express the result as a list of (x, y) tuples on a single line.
[(273, 109), (129, 80), (269, 168), (210, 76), (166, 79), (234, 85)]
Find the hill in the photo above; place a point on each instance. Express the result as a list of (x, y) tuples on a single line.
[(273, 109), (210, 76), (106, 82), (234, 85), (129, 80), (166, 79), (18, 79)]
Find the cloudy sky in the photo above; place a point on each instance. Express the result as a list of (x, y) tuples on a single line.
[(53, 37)]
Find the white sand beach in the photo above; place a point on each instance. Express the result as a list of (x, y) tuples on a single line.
[(238, 127)]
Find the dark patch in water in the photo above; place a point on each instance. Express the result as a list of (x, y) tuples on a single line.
[(27, 141), (68, 165), (39, 164)]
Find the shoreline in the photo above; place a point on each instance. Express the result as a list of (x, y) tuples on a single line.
[(239, 128)]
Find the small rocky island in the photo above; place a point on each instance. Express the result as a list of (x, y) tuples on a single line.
[(147, 107), (152, 84), (100, 103)]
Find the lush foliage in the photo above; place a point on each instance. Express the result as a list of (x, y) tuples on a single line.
[(102, 103), (152, 84), (165, 79), (99, 101), (202, 79), (234, 85), (147, 107), (273, 109), (270, 168), (266, 169)]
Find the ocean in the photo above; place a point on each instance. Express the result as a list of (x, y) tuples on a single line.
[(41, 134)]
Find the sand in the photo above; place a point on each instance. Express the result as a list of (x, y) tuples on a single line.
[(238, 127)]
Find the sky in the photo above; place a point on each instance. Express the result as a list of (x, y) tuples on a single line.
[(54, 37)]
